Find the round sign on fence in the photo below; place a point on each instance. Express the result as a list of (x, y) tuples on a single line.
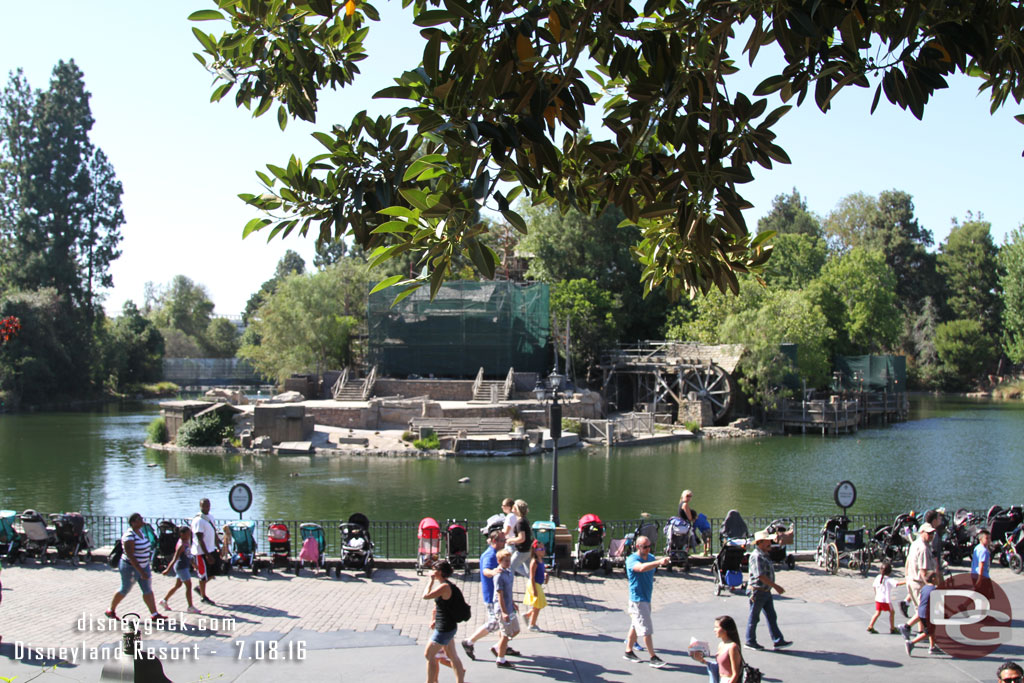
[(845, 494), (240, 498)]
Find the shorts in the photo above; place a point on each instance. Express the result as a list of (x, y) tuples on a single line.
[(927, 626), (183, 575), (201, 567), (493, 617), (640, 613), (130, 575), (443, 637), (882, 607)]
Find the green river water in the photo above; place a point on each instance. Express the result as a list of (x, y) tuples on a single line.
[(954, 452)]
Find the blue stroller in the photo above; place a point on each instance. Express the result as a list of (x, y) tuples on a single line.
[(313, 549), (244, 540), (10, 540)]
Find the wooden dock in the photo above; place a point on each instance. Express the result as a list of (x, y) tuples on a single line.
[(840, 415)]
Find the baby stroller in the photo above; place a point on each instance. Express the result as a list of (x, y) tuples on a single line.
[(734, 530), (314, 542), (456, 542), (839, 542), (279, 538), (679, 540), (732, 560), (960, 539), (244, 541), (1010, 551), (589, 551), (166, 541), (544, 533), (890, 541), (356, 545), (11, 541), (72, 537), (783, 531), (1002, 522), (647, 528), (494, 523), (429, 547), (38, 538)]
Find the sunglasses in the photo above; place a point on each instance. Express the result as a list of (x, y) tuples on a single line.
[(1012, 679), (644, 546)]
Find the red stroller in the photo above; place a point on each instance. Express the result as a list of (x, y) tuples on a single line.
[(280, 540), (429, 547)]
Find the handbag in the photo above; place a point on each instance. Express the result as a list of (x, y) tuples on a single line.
[(750, 674)]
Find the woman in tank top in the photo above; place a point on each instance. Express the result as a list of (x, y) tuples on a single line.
[(727, 666)]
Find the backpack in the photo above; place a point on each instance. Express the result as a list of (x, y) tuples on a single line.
[(115, 555), (750, 674), (460, 609)]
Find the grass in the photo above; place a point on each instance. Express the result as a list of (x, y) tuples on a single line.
[(692, 425), (428, 443), (158, 390)]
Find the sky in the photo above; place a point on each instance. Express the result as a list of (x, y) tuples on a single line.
[(183, 160)]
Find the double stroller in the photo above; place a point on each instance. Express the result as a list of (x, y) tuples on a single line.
[(71, 537), (428, 549), (680, 539), (589, 551), (314, 547), (356, 545), (731, 562)]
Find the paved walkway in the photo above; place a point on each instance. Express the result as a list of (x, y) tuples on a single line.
[(354, 629)]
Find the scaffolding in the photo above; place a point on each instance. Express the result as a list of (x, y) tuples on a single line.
[(468, 325)]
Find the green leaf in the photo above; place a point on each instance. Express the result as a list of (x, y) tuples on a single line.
[(254, 225), (391, 226), (400, 211), (282, 117), (435, 17), (399, 92), (386, 282), (770, 85), (515, 220), (205, 15)]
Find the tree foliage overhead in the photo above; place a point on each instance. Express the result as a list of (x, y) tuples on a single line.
[(501, 95)]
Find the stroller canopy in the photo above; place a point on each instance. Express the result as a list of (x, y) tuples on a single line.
[(360, 519), (733, 525), (589, 519), (429, 529)]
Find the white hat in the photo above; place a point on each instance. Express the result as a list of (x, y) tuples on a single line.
[(762, 536), (926, 528)]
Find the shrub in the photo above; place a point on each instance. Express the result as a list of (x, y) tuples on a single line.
[(156, 432), (692, 426), (571, 425), (430, 443), (158, 390), (408, 436), (1009, 390), (205, 430)]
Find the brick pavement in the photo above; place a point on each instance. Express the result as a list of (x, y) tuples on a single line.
[(42, 603)]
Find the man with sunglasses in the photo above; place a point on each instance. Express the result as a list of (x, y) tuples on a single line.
[(1010, 672), (640, 567)]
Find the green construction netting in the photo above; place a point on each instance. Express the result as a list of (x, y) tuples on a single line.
[(869, 373), (468, 325)]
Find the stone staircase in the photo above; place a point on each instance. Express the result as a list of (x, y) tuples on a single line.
[(483, 391)]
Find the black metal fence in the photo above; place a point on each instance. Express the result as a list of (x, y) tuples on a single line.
[(398, 539)]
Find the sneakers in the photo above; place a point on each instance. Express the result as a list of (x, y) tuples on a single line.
[(754, 646), (782, 643), (163, 605), (894, 630), (470, 649), (904, 630), (631, 656), (509, 651), (207, 600), (656, 662), (871, 630), (535, 628), (909, 645), (935, 651), (157, 617), (638, 646), (905, 608), (193, 610), (110, 614), (505, 665)]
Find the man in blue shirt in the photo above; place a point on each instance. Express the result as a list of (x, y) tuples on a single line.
[(488, 571), (981, 562), (640, 567)]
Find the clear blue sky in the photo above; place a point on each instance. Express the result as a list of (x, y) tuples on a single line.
[(183, 160)]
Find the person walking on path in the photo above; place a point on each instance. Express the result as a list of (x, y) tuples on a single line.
[(135, 566), (507, 606), (510, 517), (920, 561), (204, 547), (444, 622), (489, 569), (535, 599), (932, 581), (640, 568), (884, 583), (981, 562), (522, 540), (180, 563), (727, 666), (760, 585)]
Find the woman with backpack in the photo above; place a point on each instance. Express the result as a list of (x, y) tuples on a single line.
[(449, 609)]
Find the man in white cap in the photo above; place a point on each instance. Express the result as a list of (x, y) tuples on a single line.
[(760, 585), (920, 563)]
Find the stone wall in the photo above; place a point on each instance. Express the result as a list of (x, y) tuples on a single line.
[(698, 411), (437, 389)]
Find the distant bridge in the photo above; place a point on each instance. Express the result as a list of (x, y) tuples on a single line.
[(210, 372)]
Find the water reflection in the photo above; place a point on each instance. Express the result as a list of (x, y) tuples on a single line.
[(954, 452)]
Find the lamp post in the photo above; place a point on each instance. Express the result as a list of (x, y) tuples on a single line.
[(552, 391)]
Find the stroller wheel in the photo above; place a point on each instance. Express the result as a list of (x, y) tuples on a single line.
[(298, 566), (790, 561), (1016, 563)]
